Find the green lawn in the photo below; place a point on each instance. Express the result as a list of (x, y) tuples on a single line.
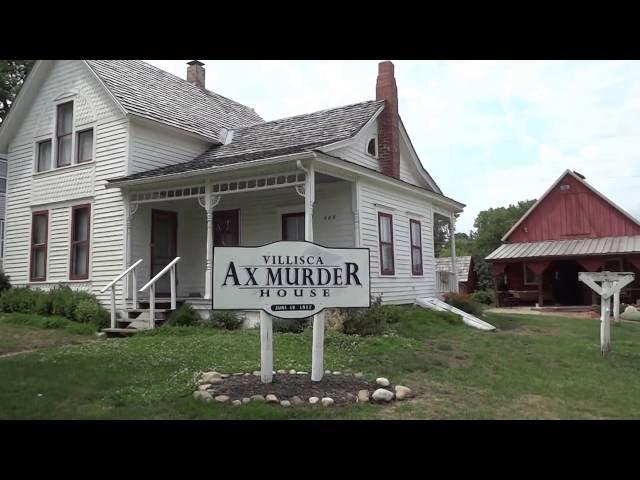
[(532, 367)]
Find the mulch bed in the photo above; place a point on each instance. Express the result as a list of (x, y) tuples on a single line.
[(342, 388)]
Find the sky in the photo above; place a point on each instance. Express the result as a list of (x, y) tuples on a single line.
[(490, 133)]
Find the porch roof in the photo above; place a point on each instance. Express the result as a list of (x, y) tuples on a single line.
[(463, 265), (567, 248), (276, 138)]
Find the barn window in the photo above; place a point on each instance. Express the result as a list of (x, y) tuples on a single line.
[(64, 134), (293, 226), (43, 156), (529, 276), (416, 247), (80, 228), (39, 234), (371, 147), (85, 146), (385, 227)]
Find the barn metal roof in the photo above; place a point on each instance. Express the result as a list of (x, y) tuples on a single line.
[(567, 248), (463, 264)]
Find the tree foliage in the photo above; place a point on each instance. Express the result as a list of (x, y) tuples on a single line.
[(12, 76)]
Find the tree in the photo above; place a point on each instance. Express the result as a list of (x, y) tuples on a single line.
[(12, 76), (464, 245), (491, 225)]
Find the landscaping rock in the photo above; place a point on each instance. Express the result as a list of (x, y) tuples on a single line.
[(630, 313), (363, 396), (236, 403), (402, 392), (207, 377), (292, 371), (225, 375), (216, 381), (246, 400), (221, 398), (358, 375), (281, 372), (285, 403), (238, 374), (383, 382), (326, 401), (257, 398), (337, 373), (204, 386), (202, 396), (271, 398), (295, 401), (382, 395), (313, 400), (302, 373), (327, 372), (256, 373)]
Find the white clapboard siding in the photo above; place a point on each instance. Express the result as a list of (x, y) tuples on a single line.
[(403, 287), (58, 191), (260, 223), (153, 148)]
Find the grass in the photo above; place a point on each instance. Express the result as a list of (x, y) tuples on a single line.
[(532, 367)]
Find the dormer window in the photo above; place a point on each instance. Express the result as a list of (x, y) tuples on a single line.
[(64, 130), (372, 148)]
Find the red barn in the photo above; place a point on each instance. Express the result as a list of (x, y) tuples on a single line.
[(572, 228)]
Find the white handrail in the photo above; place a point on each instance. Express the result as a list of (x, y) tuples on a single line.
[(112, 285), (160, 274), (151, 285), (121, 275)]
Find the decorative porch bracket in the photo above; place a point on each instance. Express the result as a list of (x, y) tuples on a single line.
[(611, 284)]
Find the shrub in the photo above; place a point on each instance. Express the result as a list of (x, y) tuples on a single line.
[(5, 284), (486, 297), (184, 316), (370, 321), (290, 325), (19, 300), (225, 319), (89, 311), (464, 302)]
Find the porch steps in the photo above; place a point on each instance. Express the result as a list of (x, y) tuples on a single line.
[(137, 319), (440, 306)]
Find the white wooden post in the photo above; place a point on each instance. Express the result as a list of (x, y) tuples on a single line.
[(317, 361), (152, 305), (113, 306), (208, 206), (172, 273), (454, 263), (266, 347), (605, 325), (616, 306), (134, 289)]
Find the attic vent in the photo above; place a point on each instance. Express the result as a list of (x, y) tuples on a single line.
[(565, 187), (371, 147)]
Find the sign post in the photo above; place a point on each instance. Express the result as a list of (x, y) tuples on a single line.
[(290, 280), (611, 284)]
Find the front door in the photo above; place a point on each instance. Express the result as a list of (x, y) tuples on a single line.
[(226, 228), (164, 248)]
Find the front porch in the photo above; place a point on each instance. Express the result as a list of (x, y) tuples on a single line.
[(186, 221)]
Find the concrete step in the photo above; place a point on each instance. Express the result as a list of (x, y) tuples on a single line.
[(119, 332)]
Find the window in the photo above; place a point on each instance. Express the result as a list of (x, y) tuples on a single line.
[(530, 277), (293, 226), (80, 222), (44, 156), (64, 134), (39, 233), (85, 146), (371, 147), (385, 227), (3, 185), (416, 247), (1, 238)]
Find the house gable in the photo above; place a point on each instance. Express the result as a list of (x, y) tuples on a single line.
[(572, 209)]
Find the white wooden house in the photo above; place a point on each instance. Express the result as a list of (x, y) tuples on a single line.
[(115, 161)]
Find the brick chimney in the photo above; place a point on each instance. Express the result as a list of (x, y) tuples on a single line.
[(195, 73), (388, 121)]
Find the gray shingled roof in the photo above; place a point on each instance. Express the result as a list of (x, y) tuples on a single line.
[(152, 93), (567, 248), (278, 137), (463, 265)]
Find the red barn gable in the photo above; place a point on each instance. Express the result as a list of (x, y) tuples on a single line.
[(572, 209)]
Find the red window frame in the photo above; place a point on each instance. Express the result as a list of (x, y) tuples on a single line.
[(36, 246), (416, 247), (392, 269), (285, 216), (73, 243)]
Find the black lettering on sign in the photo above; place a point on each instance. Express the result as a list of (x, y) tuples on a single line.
[(251, 272), (231, 272)]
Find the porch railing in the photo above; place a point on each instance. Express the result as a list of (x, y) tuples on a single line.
[(151, 286), (112, 286)]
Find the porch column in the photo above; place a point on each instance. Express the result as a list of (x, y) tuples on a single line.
[(129, 212), (454, 266), (208, 206), (355, 207), (309, 200)]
